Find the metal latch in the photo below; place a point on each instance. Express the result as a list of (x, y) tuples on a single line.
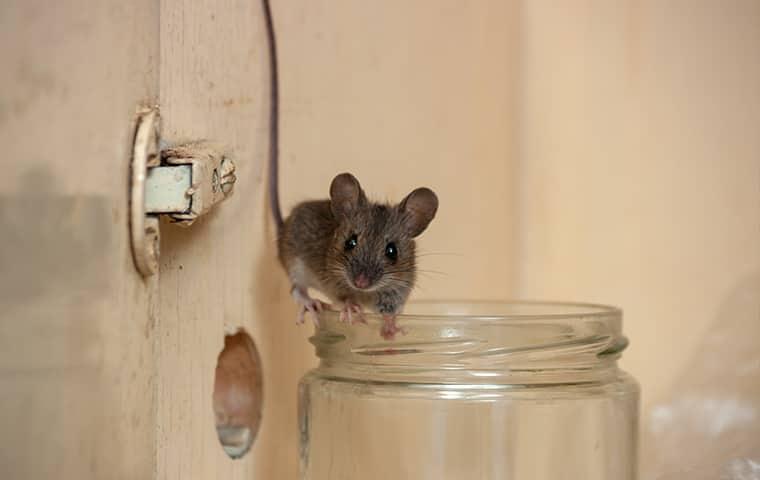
[(182, 182)]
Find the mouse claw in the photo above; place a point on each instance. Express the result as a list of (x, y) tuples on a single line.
[(352, 313), (308, 305), (314, 307), (389, 329), (318, 306), (359, 315)]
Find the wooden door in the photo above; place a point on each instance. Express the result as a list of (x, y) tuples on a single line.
[(78, 324), (104, 374)]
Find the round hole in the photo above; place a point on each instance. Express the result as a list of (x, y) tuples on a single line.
[(238, 394)]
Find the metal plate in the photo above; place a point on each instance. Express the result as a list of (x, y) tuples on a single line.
[(166, 189), (143, 229)]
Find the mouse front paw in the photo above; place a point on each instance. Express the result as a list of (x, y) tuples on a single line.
[(308, 304), (315, 307), (389, 329), (352, 314)]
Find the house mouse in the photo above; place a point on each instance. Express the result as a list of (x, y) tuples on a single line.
[(359, 253)]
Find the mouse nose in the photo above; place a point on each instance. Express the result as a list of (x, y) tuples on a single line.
[(362, 281)]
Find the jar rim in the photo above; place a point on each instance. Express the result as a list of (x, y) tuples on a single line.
[(507, 342), (501, 311)]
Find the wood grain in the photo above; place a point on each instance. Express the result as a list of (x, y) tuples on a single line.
[(77, 323)]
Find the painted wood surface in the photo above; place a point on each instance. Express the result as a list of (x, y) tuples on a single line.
[(78, 324)]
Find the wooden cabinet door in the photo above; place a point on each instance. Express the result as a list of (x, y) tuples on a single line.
[(104, 374), (77, 322)]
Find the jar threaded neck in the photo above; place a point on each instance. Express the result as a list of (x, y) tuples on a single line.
[(515, 343)]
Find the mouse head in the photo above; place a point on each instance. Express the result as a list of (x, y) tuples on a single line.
[(373, 247)]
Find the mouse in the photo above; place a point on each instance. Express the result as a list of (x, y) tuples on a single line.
[(359, 253)]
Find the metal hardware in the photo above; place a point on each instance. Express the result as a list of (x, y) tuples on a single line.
[(183, 182), (166, 189), (144, 229), (213, 177)]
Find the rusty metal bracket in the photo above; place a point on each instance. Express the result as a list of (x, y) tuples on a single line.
[(144, 229), (183, 182), (212, 178)]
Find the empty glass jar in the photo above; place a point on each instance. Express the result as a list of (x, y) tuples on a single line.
[(482, 391)]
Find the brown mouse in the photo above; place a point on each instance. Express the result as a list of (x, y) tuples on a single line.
[(358, 253)]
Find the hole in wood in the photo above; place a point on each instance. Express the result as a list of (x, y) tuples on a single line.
[(238, 394)]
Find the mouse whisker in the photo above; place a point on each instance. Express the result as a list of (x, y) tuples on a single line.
[(437, 272)]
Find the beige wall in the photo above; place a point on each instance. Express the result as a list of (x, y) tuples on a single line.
[(405, 94), (639, 165), (639, 184), (592, 151)]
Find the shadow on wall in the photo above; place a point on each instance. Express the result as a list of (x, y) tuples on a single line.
[(287, 355), (709, 427), (54, 244)]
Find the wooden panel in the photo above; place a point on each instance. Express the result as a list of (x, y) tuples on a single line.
[(222, 273), (76, 329)]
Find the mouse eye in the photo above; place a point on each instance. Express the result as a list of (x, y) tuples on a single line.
[(351, 243), (391, 251)]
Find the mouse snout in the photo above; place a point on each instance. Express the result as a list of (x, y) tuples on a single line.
[(364, 274), (362, 281)]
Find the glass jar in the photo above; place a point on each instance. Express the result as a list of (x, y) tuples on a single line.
[(486, 391)]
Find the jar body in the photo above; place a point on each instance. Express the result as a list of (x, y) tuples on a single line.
[(418, 426)]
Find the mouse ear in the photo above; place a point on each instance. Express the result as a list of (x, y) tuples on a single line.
[(345, 194), (418, 210)]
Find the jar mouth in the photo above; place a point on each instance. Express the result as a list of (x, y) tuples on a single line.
[(451, 341), (516, 311)]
